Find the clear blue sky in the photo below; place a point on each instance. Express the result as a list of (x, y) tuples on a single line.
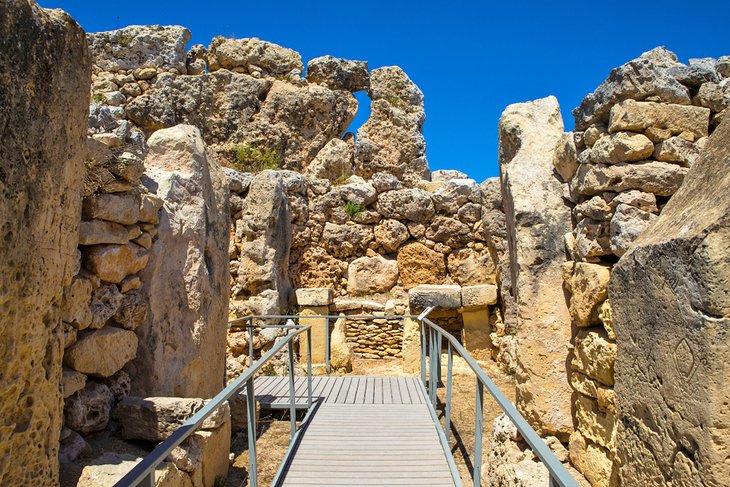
[(471, 59)]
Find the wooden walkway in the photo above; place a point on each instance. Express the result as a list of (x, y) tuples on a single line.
[(365, 431)]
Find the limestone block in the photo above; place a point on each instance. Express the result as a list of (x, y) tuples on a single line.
[(215, 446), (660, 178), (340, 351), (595, 208), (332, 162), (627, 224), (439, 296), (112, 263), (417, 264), (476, 331), (72, 381), (677, 149), (75, 304), (589, 287), (450, 231), (239, 412), (105, 301), (318, 333), (411, 347), (480, 296), (253, 54), (132, 312), (637, 199), (594, 424), (156, 418), (452, 195), (110, 467), (102, 232), (467, 267), (621, 147), (604, 395), (367, 275), (383, 181), (339, 74), (565, 158), (119, 208), (314, 296), (390, 234), (411, 204), (594, 355), (88, 410), (103, 352), (139, 46), (637, 116), (72, 447), (671, 311)]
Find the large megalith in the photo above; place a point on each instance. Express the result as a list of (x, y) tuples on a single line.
[(536, 220), (45, 72), (670, 295), (182, 344)]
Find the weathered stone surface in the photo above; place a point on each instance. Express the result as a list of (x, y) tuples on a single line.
[(75, 304), (103, 352), (156, 418), (712, 96), (638, 79), (626, 226), (595, 462), (109, 468), (595, 208), (253, 55), (44, 89), (660, 178), (406, 204), (348, 239), (368, 275), (479, 296), (637, 199), (443, 175), (671, 311), (140, 46), (186, 279), (588, 284), (594, 355), (592, 238), (693, 76), (88, 410), (638, 116), (112, 263), (132, 311), (440, 296), (73, 447), (72, 382), (467, 267), (621, 147), (357, 191), (105, 301), (536, 219), (390, 234), (452, 195), (382, 181), (102, 232), (417, 264), (119, 208), (314, 296), (677, 149), (392, 140), (334, 161), (339, 74), (450, 231), (340, 351), (510, 462), (565, 158), (596, 425)]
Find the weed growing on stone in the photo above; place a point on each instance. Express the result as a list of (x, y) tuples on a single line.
[(256, 158), (354, 210)]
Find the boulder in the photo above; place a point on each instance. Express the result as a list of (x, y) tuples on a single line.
[(637, 116), (480, 296), (637, 199), (390, 234), (339, 74), (72, 382), (537, 217), (73, 447), (452, 195), (565, 158), (392, 139), (103, 352), (156, 418), (671, 313), (712, 96), (109, 468), (621, 147), (595, 208), (417, 264), (639, 79), (693, 76), (660, 178), (333, 162), (140, 46), (443, 175), (368, 275), (119, 208), (347, 240), (382, 181), (406, 204), (677, 149), (186, 282), (75, 305), (357, 191), (44, 95), (440, 296), (627, 224), (132, 311), (595, 355), (450, 231), (340, 351), (88, 410), (588, 284), (112, 263), (252, 55), (467, 267), (105, 301), (102, 232), (592, 239)]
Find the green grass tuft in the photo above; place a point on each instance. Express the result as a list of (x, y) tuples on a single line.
[(354, 210), (251, 157)]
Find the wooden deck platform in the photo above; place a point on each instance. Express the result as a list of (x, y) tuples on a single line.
[(273, 392)]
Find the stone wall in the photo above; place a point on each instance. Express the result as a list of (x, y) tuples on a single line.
[(636, 138), (43, 94)]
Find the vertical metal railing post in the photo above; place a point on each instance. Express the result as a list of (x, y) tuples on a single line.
[(251, 424), (292, 405), (433, 380), (438, 359), (423, 352), (447, 412), (327, 346), (250, 341), (309, 368), (478, 430), (148, 481)]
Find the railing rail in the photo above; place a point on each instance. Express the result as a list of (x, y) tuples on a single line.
[(431, 338), (143, 474)]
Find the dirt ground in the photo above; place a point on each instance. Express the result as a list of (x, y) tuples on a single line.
[(274, 430)]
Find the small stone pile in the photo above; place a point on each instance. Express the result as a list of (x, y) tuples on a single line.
[(636, 136)]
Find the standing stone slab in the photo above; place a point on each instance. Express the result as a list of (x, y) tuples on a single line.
[(671, 312), (536, 220), (45, 73), (186, 281)]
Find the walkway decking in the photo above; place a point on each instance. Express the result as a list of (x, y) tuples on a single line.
[(365, 431)]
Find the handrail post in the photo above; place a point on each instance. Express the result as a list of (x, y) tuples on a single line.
[(309, 368), (250, 341), (251, 424), (434, 375), (149, 480), (438, 360), (327, 346), (447, 412), (423, 352), (478, 430), (292, 405)]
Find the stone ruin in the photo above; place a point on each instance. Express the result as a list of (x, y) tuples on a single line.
[(166, 190)]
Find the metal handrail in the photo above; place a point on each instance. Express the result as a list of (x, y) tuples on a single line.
[(143, 474), (559, 475)]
